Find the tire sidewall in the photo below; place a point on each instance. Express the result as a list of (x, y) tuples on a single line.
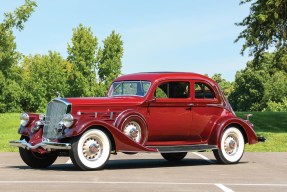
[(78, 156), (231, 159)]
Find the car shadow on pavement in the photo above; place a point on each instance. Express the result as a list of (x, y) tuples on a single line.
[(135, 164), (154, 163)]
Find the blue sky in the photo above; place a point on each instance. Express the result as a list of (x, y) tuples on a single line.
[(158, 35)]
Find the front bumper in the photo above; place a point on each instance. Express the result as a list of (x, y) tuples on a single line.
[(45, 145)]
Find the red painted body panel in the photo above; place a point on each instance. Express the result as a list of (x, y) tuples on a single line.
[(169, 122)]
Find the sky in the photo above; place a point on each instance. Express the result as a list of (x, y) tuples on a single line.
[(158, 35)]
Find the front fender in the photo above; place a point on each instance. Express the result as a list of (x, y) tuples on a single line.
[(224, 122), (122, 142)]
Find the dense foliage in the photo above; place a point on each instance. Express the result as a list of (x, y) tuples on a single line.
[(258, 87), (265, 26), (10, 89), (29, 82)]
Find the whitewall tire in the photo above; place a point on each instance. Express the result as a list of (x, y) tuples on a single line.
[(231, 146), (91, 151)]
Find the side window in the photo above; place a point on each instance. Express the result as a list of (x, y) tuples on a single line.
[(203, 91), (178, 89)]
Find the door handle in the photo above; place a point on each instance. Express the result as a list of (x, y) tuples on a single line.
[(190, 106)]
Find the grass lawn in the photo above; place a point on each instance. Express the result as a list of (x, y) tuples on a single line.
[(9, 124), (273, 126)]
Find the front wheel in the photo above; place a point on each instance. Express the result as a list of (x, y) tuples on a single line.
[(174, 156), (91, 151), (231, 146), (36, 160)]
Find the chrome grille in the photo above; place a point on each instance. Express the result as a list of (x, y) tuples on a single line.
[(55, 113)]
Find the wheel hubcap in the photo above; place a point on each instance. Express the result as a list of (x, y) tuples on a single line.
[(231, 145), (133, 130), (92, 148)]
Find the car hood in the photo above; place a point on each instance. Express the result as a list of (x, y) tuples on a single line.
[(89, 103)]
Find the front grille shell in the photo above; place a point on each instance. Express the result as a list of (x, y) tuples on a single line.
[(56, 110)]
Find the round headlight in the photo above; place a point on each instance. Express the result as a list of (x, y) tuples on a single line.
[(68, 120), (24, 119)]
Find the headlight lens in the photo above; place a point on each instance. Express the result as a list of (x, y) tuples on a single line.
[(68, 120), (24, 119)]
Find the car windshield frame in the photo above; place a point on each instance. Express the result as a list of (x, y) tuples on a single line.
[(125, 88)]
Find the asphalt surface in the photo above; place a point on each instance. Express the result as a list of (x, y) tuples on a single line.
[(149, 172)]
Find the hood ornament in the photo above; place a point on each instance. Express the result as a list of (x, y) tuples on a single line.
[(58, 94)]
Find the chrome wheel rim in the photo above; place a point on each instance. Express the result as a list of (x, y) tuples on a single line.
[(231, 144), (133, 131), (92, 148)]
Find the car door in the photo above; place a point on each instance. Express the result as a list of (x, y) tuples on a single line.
[(169, 115), (207, 108)]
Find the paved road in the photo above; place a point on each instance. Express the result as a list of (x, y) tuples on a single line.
[(149, 172)]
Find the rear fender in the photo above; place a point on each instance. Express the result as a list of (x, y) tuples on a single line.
[(225, 122)]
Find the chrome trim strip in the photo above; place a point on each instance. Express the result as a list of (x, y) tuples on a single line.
[(183, 148), (45, 145)]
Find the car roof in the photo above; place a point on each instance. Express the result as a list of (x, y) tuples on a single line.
[(157, 76)]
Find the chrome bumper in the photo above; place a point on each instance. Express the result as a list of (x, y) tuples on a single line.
[(45, 145)]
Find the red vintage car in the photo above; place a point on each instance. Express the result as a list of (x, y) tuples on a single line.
[(165, 112)]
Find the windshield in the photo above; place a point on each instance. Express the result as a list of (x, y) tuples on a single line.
[(129, 88)]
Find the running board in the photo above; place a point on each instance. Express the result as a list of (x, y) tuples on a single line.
[(183, 148)]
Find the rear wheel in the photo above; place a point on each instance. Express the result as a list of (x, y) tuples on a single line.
[(174, 156), (91, 151), (34, 159), (231, 146)]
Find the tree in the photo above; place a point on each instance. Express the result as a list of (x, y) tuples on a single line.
[(275, 88), (225, 85), (265, 27), (109, 60), (10, 90), (248, 90), (43, 76), (8, 53), (82, 56), (258, 85)]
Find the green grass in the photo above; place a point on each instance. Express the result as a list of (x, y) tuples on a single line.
[(271, 125), (9, 124)]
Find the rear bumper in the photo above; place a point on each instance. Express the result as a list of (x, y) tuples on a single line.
[(45, 145), (261, 139)]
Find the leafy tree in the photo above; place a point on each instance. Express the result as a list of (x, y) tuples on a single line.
[(257, 85), (10, 90), (82, 56), (109, 61), (43, 76), (248, 90), (277, 106), (225, 85), (275, 88), (265, 27)]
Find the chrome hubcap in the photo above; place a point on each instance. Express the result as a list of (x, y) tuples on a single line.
[(231, 145), (133, 130), (92, 148)]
